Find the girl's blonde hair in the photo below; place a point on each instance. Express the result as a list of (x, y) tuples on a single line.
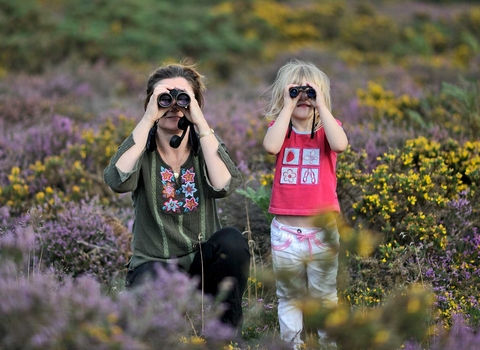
[(294, 72)]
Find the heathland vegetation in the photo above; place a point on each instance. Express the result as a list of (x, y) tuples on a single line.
[(405, 79)]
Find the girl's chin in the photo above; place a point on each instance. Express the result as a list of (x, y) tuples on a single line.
[(302, 116)]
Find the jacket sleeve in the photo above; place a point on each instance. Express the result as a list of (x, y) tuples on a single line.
[(118, 180)]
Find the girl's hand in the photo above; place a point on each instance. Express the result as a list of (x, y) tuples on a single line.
[(319, 101), (288, 102)]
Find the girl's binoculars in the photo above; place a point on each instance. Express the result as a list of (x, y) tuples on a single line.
[(294, 91), (166, 99)]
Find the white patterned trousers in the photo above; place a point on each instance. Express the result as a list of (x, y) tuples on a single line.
[(305, 263)]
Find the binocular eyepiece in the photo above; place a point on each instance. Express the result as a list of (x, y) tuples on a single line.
[(166, 99), (294, 91)]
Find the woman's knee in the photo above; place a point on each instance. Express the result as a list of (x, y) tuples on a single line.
[(142, 274), (229, 239)]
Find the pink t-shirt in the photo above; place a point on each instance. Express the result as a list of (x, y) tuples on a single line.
[(305, 181)]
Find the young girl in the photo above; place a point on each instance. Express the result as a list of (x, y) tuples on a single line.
[(305, 137)]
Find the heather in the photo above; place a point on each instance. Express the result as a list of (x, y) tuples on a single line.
[(45, 308), (404, 83)]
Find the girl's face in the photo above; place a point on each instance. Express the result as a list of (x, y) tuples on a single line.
[(304, 107)]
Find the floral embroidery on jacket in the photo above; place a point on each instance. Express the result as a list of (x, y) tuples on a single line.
[(179, 198), (169, 190)]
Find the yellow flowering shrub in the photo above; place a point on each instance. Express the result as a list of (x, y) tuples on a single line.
[(409, 190), (385, 105), (406, 201)]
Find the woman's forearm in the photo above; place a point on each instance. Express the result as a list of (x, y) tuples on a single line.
[(127, 161)]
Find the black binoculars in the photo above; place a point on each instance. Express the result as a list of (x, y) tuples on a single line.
[(166, 99), (294, 91)]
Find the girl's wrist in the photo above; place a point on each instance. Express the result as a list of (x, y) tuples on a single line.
[(288, 108), (320, 106)]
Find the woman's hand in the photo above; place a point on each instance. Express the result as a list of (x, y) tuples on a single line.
[(193, 112), (154, 111)]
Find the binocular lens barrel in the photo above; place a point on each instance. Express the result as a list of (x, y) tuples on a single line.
[(294, 91), (166, 99), (183, 100)]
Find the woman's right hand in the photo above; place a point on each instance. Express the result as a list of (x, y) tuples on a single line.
[(153, 111)]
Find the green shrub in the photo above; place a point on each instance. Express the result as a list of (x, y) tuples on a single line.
[(127, 30), (369, 32)]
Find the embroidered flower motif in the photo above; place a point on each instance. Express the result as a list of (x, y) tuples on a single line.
[(179, 198), (190, 204), (189, 175), (167, 174), (172, 205), (289, 176), (189, 189), (169, 190)]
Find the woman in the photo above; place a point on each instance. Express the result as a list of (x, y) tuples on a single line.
[(175, 181)]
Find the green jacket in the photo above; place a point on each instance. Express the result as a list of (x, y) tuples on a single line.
[(171, 217)]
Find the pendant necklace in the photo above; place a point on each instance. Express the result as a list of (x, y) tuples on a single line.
[(182, 160)]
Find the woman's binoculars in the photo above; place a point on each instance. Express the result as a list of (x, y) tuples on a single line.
[(166, 99), (294, 91)]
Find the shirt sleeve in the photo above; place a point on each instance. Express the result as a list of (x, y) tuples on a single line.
[(118, 180)]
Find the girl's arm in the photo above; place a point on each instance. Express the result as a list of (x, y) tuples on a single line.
[(275, 136), (337, 139)]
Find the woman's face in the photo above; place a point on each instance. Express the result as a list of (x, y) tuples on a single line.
[(169, 121)]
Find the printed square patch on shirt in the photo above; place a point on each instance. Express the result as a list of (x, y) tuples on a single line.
[(291, 156), (311, 156), (289, 175), (309, 176)]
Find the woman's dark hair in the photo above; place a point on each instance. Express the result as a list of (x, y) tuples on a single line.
[(176, 70)]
